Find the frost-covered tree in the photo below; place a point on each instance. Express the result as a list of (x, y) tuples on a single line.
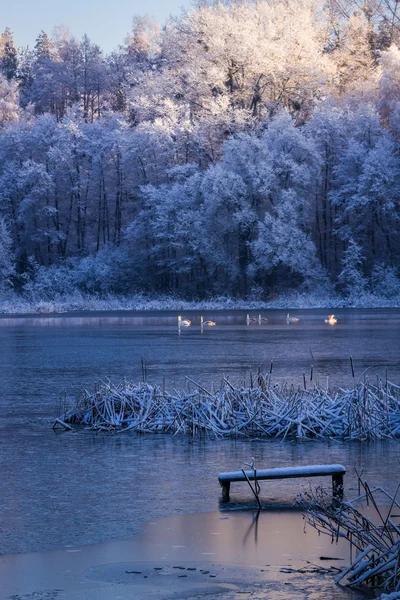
[(229, 220), (227, 67), (351, 279), (284, 254), (44, 91), (367, 190), (389, 84), (8, 55), (354, 59), (7, 260), (9, 106), (92, 79), (143, 43), (328, 131), (240, 147)]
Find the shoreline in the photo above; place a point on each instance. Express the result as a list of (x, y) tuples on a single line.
[(17, 305)]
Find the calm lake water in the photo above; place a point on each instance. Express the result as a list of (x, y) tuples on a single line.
[(42, 357), (65, 489)]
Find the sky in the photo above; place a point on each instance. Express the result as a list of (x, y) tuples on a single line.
[(106, 22)]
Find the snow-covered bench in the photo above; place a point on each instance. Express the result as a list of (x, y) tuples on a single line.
[(335, 471)]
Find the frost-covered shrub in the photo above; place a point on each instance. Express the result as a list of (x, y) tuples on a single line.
[(106, 272), (47, 283), (257, 293), (385, 281)]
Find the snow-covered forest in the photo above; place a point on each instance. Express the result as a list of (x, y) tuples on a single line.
[(247, 148)]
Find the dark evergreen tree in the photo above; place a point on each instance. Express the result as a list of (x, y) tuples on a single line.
[(9, 58), (42, 46)]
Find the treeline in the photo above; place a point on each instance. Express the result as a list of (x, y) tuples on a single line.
[(247, 148)]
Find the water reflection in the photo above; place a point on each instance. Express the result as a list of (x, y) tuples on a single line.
[(267, 555), (84, 488), (253, 527)]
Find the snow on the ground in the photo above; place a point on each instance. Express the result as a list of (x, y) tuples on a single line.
[(15, 304)]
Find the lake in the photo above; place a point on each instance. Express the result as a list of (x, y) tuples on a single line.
[(43, 357), (76, 488)]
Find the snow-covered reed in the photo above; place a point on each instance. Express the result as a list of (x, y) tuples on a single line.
[(260, 409), (373, 535)]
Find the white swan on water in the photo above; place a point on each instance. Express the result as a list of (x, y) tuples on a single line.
[(250, 319), (332, 320), (183, 322), (209, 323), (290, 319)]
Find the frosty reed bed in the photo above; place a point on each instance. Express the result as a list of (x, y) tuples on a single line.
[(262, 409)]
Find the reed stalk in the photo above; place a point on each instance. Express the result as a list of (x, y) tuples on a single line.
[(375, 538)]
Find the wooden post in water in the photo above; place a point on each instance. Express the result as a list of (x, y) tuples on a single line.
[(337, 486), (226, 486)]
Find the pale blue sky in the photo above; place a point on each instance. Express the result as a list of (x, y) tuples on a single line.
[(105, 21)]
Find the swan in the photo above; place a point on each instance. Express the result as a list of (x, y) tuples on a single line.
[(183, 322), (290, 319), (331, 320), (250, 319), (209, 323)]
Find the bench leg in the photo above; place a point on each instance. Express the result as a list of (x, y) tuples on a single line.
[(226, 486), (337, 486)]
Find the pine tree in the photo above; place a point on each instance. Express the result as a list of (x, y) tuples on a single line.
[(8, 55), (351, 277), (42, 46)]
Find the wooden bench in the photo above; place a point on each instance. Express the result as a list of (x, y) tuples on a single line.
[(335, 471)]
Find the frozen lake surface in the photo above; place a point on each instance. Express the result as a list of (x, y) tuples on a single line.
[(61, 490), (203, 556)]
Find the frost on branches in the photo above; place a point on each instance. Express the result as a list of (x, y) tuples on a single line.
[(245, 146)]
